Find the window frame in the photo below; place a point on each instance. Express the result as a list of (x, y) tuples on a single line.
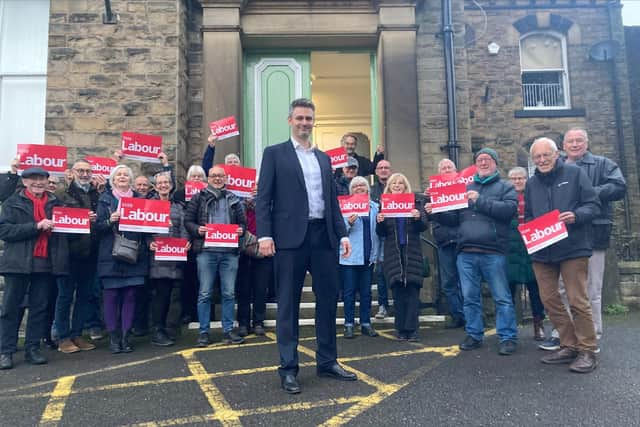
[(564, 72)]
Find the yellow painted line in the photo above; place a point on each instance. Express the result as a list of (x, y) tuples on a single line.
[(222, 409), (370, 401), (53, 412), (301, 406), (194, 419)]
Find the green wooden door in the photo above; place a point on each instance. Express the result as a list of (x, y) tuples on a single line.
[(272, 81)]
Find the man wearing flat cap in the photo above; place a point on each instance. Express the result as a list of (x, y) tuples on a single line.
[(32, 256), (344, 179), (483, 242)]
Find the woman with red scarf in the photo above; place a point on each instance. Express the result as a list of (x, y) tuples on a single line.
[(32, 254)]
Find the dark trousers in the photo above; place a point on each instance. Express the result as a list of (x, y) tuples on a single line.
[(79, 283), (94, 310), (318, 257), (165, 299), (254, 278), (450, 281), (406, 301), (189, 289), (39, 286), (537, 309), (143, 305)]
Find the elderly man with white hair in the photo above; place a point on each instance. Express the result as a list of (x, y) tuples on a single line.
[(566, 188)]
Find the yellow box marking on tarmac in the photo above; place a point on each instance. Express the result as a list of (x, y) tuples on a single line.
[(55, 407), (204, 419), (222, 410)]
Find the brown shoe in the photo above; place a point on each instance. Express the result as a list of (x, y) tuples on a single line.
[(584, 363), (82, 344), (67, 346), (564, 355)]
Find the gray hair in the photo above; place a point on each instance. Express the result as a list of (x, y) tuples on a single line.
[(518, 170), (550, 143), (231, 156), (115, 170), (441, 162), (194, 169), (163, 173), (582, 131), (358, 180)]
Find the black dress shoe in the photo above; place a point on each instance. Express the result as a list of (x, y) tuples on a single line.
[(125, 345), (290, 384), (337, 372), (348, 332), (6, 361), (33, 356)]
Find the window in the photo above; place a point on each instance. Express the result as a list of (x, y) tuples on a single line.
[(543, 64), (24, 30)]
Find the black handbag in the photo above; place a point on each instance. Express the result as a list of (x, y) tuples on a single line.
[(125, 250)]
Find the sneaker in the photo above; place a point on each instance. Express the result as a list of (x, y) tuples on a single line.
[(258, 330), (232, 338), (243, 331), (67, 346), (550, 344), (382, 312), (507, 348), (597, 350), (95, 334), (82, 344), (470, 343), (203, 339)]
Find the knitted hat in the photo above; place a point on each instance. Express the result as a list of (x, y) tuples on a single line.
[(490, 151)]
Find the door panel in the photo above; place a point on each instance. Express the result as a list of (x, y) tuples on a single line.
[(271, 83)]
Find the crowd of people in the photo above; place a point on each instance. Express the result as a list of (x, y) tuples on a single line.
[(291, 224)]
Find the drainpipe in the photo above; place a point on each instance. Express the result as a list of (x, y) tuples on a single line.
[(450, 80), (108, 17), (617, 108)]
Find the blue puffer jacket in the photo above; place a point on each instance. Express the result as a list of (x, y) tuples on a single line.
[(485, 224), (356, 238)]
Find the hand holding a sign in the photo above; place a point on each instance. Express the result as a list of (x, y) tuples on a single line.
[(352, 218), (92, 216), (212, 139), (427, 208), (114, 217), (567, 217), (380, 217), (164, 160), (99, 182), (415, 214), (472, 195), (45, 225), (15, 165), (202, 230), (345, 244)]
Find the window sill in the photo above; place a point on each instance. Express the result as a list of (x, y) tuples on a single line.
[(569, 112)]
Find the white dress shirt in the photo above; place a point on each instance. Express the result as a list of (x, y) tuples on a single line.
[(312, 178)]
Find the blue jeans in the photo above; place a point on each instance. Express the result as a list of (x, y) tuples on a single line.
[(209, 263), (383, 294), (472, 268), (450, 281), (356, 278), (81, 281)]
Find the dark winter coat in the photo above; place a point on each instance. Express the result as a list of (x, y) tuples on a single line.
[(197, 214), (610, 185), (107, 265), (566, 188), (407, 271), (519, 268), (81, 246), (170, 269), (19, 231), (9, 183), (485, 224)]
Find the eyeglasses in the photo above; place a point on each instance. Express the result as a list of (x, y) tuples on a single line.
[(218, 176), (83, 171), (484, 159), (383, 167)]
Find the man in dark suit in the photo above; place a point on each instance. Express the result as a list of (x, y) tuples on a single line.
[(297, 212)]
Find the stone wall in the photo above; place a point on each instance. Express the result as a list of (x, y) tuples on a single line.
[(630, 283), (105, 79)]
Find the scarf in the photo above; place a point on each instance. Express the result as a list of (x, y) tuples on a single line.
[(480, 180), (119, 194), (40, 248)]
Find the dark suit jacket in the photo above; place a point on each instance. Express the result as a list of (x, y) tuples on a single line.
[(282, 207)]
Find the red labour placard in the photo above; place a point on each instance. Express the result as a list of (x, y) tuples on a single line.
[(144, 216), (465, 177), (52, 158), (221, 236), (191, 188), (397, 205), (543, 231), (338, 157), (101, 165), (141, 147), (71, 220), (355, 204), (171, 249), (240, 180), (224, 128), (448, 198)]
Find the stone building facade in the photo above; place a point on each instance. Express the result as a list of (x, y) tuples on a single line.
[(167, 67)]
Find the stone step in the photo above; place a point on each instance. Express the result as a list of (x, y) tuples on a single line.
[(431, 319)]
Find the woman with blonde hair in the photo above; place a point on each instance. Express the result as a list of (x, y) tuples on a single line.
[(402, 263)]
